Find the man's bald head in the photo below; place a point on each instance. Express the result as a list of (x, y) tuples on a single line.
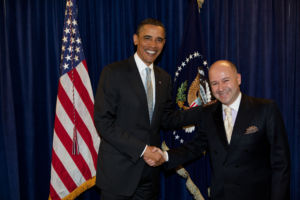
[(224, 81)]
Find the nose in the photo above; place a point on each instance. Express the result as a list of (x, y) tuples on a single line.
[(152, 43), (220, 87)]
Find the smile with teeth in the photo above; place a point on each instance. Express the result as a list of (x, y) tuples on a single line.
[(151, 52)]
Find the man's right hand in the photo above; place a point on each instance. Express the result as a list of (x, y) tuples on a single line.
[(153, 156)]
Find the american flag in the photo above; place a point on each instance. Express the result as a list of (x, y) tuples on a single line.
[(75, 140)]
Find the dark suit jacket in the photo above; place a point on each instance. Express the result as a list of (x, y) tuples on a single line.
[(256, 164), (122, 120)]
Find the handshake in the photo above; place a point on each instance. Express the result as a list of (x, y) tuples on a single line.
[(154, 156)]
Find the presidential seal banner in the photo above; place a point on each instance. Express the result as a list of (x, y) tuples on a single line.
[(191, 89)]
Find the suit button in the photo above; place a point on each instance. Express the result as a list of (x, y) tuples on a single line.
[(215, 152), (246, 150), (237, 166)]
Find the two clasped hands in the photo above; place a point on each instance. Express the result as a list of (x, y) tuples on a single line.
[(154, 156)]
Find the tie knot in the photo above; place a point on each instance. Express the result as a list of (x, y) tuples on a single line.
[(148, 70), (227, 111)]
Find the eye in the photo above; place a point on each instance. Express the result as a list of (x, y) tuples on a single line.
[(159, 40), (213, 83), (147, 37)]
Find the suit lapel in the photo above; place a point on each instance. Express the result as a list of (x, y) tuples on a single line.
[(242, 119), (218, 117), (158, 90), (136, 83)]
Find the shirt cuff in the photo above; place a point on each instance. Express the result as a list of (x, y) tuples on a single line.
[(144, 151), (166, 156)]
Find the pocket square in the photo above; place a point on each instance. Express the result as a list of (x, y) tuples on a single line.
[(251, 129)]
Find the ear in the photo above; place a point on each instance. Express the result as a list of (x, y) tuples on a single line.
[(135, 39), (239, 78)]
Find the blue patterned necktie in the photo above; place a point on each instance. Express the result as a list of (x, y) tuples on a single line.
[(149, 91)]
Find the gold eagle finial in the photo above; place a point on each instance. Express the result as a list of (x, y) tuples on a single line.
[(200, 2)]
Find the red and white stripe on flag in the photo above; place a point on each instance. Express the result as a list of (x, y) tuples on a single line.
[(75, 139)]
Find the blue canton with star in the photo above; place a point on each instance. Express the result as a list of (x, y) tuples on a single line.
[(72, 52)]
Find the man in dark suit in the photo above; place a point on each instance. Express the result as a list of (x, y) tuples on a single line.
[(248, 146), (133, 102)]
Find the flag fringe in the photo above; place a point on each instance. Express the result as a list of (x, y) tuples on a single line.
[(83, 187), (192, 188)]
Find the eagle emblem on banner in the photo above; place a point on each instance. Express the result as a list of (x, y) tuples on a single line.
[(191, 86)]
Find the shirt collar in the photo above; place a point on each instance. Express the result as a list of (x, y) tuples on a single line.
[(140, 64), (236, 104)]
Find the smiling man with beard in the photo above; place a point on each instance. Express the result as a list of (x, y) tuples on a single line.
[(133, 102)]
